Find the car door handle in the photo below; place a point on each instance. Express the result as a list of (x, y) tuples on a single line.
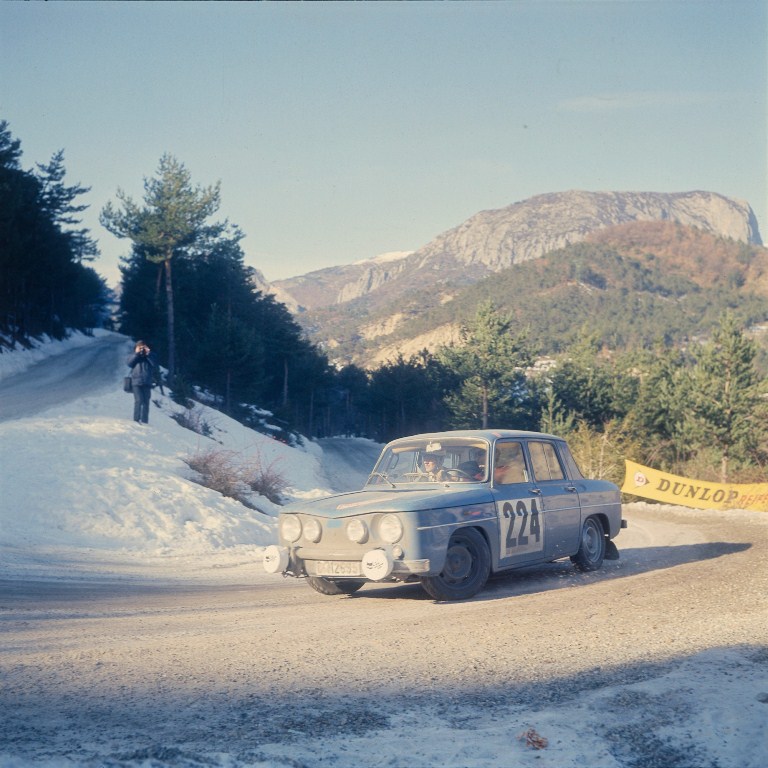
[(535, 490), (571, 488)]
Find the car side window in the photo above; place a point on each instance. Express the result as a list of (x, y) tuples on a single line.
[(509, 463), (546, 465), (573, 468)]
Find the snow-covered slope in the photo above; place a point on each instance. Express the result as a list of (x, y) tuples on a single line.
[(85, 488)]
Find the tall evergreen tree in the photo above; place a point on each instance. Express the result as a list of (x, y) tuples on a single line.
[(241, 346), (44, 288), (173, 220), (57, 200), (583, 384), (660, 414), (351, 388), (726, 394), (406, 396), (491, 363)]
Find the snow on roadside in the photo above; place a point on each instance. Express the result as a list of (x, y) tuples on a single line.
[(84, 488), (19, 359)]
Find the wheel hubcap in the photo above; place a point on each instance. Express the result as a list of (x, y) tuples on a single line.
[(458, 563), (591, 542)]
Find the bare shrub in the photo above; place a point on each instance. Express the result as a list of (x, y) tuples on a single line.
[(533, 740), (218, 471), (265, 480), (193, 420), (600, 455), (222, 471)]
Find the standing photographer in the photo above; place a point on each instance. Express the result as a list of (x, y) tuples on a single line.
[(142, 373)]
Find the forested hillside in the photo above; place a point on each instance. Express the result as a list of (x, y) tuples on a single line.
[(45, 285), (630, 286), (186, 290)]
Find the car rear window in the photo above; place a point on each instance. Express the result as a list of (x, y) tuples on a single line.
[(546, 465)]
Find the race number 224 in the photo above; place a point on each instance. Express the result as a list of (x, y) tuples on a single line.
[(524, 527)]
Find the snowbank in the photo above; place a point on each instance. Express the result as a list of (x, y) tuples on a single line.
[(84, 488)]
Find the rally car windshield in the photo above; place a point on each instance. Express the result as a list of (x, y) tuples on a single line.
[(432, 461)]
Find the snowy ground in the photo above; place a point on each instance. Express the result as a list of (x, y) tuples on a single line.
[(84, 489), (88, 496)]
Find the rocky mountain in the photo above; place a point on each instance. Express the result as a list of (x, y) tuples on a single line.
[(336, 285), (496, 239), (361, 306)]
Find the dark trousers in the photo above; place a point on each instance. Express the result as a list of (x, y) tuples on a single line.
[(141, 397)]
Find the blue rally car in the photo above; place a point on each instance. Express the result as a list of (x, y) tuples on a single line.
[(449, 509)]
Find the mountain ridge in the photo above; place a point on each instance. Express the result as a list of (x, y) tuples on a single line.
[(373, 310), (494, 239), (632, 285)]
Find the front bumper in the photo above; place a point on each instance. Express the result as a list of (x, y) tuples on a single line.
[(374, 565)]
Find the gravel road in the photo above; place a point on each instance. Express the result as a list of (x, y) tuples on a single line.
[(119, 673)]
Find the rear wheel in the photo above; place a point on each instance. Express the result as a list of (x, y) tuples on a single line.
[(591, 547), (331, 587), (466, 570)]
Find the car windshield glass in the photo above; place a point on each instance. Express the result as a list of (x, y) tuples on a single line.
[(456, 460)]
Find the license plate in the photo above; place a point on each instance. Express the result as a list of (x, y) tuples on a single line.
[(338, 568)]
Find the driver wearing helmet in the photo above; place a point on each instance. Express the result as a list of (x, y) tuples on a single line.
[(433, 467)]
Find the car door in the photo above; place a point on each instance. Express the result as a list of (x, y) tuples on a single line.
[(518, 505), (558, 498)]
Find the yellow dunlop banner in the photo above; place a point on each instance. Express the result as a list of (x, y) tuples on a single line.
[(673, 489)]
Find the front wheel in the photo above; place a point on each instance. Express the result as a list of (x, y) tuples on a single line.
[(467, 567), (591, 547), (331, 587)]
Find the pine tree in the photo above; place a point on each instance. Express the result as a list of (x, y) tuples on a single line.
[(661, 414), (490, 362), (44, 287), (57, 200), (172, 221), (726, 394), (405, 396)]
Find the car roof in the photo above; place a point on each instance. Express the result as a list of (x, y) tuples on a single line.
[(486, 434)]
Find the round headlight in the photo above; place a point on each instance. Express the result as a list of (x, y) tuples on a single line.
[(312, 530), (390, 528), (357, 531), (290, 528)]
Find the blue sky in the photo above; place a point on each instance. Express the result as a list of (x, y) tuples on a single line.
[(343, 130)]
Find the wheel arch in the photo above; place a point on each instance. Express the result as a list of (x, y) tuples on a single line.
[(437, 557), (467, 565), (604, 521)]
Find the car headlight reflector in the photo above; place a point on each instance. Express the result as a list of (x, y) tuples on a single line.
[(290, 528), (357, 531), (312, 530), (390, 528)]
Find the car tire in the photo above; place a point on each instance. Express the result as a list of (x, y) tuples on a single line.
[(466, 570), (591, 546), (330, 587)]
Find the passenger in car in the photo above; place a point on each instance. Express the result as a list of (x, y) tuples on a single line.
[(470, 470), (509, 464), (480, 456)]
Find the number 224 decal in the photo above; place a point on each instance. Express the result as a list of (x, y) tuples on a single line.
[(522, 527)]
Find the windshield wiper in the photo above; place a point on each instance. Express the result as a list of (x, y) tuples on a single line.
[(382, 476)]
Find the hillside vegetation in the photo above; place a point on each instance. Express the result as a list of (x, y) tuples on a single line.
[(631, 286)]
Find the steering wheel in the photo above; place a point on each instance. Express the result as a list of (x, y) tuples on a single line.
[(457, 473)]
